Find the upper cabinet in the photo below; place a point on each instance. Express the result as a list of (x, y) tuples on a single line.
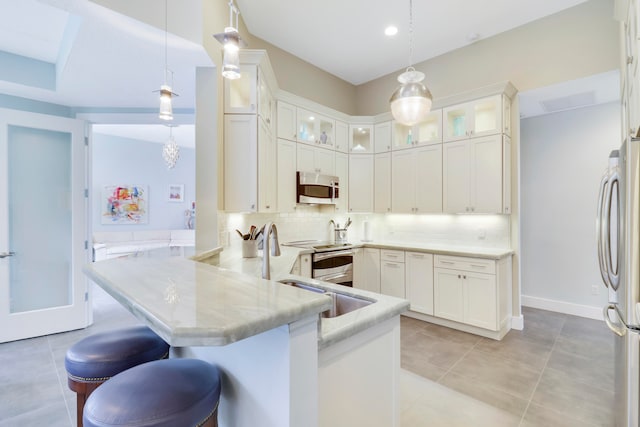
[(342, 136), (481, 117), (361, 139), (240, 95), (382, 137), (425, 133), (286, 128), (315, 129)]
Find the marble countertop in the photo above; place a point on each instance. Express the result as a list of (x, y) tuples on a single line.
[(440, 249), (189, 303)]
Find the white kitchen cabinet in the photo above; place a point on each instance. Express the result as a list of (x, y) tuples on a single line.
[(392, 278), (472, 291), (382, 183), (382, 137), (361, 183), (302, 266), (342, 137), (342, 172), (419, 281), (366, 269), (315, 159), (476, 175), (476, 118), (361, 139), (241, 148), (416, 183), (286, 128), (267, 168), (315, 129), (266, 103), (286, 189), (425, 133), (241, 95)]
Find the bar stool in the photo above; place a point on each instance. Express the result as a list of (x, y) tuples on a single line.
[(96, 358), (164, 393)]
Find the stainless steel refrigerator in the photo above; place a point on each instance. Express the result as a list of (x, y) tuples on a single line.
[(618, 232)]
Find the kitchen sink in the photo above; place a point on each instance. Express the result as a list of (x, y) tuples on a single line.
[(341, 303)]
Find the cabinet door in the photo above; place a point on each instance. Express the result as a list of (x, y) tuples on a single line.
[(306, 158), (342, 137), (428, 178), (360, 139), (382, 183), (267, 163), (480, 300), (429, 131), (448, 300), (487, 116), (361, 183), (486, 174), (325, 161), (401, 136), (456, 122), (286, 175), (419, 281), (382, 137), (342, 172), (367, 269), (306, 126), (240, 148), (240, 95), (506, 115), (455, 163), (506, 175), (325, 129), (265, 102), (286, 121), (402, 182), (392, 279)]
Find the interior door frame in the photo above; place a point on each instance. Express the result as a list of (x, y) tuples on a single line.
[(76, 315)]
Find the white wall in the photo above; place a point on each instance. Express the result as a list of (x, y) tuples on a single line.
[(119, 160), (563, 156)]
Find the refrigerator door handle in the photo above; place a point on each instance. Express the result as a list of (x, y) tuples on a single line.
[(620, 328), (599, 229), (613, 275)]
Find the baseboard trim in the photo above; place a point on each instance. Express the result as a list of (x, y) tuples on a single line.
[(562, 307), (517, 322)]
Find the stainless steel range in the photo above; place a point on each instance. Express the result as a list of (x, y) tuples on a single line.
[(331, 262)]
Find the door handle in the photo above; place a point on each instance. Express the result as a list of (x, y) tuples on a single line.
[(620, 329), (6, 254), (599, 228), (614, 186)]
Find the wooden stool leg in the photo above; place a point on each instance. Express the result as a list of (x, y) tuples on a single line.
[(83, 391), (213, 420)]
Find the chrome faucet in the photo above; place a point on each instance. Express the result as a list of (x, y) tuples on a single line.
[(269, 228)]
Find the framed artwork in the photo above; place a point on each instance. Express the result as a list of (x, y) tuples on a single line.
[(124, 204), (176, 193)]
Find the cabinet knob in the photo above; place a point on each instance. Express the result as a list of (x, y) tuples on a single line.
[(253, 107), (629, 60), (269, 121), (268, 207), (294, 136), (253, 206), (464, 277), (466, 209), (459, 276), (473, 209)]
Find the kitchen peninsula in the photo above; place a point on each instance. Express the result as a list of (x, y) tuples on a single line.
[(283, 364)]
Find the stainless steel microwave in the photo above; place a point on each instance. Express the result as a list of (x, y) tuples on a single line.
[(316, 189)]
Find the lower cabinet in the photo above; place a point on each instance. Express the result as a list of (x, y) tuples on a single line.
[(366, 269), (392, 273), (302, 266), (419, 281), (472, 291)]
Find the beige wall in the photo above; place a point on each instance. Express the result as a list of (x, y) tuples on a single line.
[(578, 42)]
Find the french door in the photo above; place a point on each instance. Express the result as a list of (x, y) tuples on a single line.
[(43, 225)]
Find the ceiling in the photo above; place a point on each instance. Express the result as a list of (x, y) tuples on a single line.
[(106, 65)]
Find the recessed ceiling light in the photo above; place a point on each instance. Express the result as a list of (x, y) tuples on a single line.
[(391, 30), (472, 37)]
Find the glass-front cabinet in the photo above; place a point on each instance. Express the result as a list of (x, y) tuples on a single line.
[(240, 95), (425, 133), (476, 118), (361, 139), (315, 129)]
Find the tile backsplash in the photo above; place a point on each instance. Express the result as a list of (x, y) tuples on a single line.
[(310, 223)]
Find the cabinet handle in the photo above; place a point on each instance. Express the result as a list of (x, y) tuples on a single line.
[(467, 209), (629, 60), (268, 207), (253, 206), (446, 262), (417, 256), (478, 266), (473, 209), (459, 276), (392, 265), (464, 277)]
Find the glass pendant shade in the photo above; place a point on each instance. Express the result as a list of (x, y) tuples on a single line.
[(170, 152), (411, 101), (166, 111), (231, 53)]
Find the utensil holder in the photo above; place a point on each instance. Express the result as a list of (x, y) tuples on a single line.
[(249, 248)]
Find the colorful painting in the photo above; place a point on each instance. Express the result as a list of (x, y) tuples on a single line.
[(124, 204)]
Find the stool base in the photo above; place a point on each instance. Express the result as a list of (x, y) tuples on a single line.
[(82, 390)]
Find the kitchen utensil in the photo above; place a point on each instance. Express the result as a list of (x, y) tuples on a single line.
[(240, 234)]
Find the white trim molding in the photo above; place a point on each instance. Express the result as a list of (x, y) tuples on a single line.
[(563, 307)]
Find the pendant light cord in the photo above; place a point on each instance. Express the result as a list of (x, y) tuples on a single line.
[(410, 33), (166, 61)]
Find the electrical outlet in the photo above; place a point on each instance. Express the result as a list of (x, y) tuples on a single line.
[(595, 290)]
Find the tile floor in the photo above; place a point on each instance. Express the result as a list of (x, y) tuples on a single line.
[(554, 373)]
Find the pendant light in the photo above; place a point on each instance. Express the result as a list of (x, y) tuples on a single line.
[(166, 110), (411, 101), (231, 43), (170, 150)]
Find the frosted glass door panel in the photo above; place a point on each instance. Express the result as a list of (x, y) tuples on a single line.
[(39, 218)]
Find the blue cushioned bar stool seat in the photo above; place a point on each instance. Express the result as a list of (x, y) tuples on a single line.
[(164, 393), (96, 358)]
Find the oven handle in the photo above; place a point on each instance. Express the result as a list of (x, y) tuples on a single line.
[(332, 254), (332, 277)]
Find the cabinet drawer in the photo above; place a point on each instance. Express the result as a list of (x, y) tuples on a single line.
[(390, 255), (478, 265)]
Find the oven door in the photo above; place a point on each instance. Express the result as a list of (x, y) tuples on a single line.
[(334, 267)]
